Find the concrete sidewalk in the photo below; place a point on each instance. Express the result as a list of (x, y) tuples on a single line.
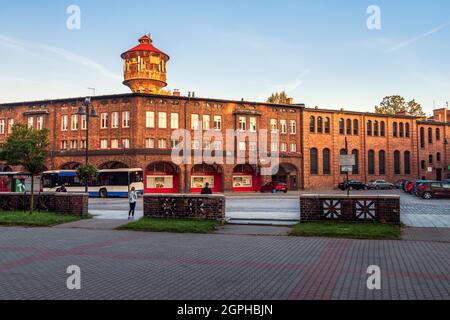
[(94, 224)]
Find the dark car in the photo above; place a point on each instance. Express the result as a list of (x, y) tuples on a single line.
[(275, 187), (416, 184), (399, 184), (352, 185), (380, 185), (435, 189)]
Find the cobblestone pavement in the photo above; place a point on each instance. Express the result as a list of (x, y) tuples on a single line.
[(134, 265)]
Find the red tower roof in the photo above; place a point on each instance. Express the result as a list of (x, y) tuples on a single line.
[(145, 44)]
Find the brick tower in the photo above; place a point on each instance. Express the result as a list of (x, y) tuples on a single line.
[(145, 67)]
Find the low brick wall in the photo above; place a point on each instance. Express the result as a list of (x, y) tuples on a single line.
[(187, 206), (383, 208), (67, 203)]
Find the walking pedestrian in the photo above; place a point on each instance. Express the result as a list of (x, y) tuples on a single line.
[(206, 190), (132, 198)]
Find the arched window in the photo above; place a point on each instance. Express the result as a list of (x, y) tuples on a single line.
[(371, 162), (422, 137), (407, 130), (423, 164), (430, 135), (376, 129), (314, 161), (397, 167), (343, 152), (319, 125), (407, 161), (356, 166), (355, 127), (312, 125), (382, 162), (382, 129), (369, 128), (395, 129), (349, 126), (401, 130), (341, 126), (438, 156), (326, 161), (327, 125), (438, 134), (430, 159)]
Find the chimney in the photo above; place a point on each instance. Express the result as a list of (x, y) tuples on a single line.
[(176, 93)]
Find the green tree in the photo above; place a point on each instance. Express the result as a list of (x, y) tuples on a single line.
[(396, 104), (26, 147), (86, 173), (278, 98)]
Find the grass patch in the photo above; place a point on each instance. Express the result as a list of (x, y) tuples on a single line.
[(36, 219), (347, 230), (171, 225)]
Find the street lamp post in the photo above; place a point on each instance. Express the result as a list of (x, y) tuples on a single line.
[(87, 111)]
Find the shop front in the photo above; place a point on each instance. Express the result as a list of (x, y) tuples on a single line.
[(202, 174), (162, 177), (246, 178)]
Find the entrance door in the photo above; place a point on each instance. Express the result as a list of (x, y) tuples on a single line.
[(439, 174)]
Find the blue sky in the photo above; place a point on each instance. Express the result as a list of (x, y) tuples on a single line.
[(320, 51)]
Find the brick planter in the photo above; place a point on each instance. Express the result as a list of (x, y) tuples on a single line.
[(67, 203), (197, 207), (383, 208)]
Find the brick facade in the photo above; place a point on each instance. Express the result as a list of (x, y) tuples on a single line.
[(127, 143)]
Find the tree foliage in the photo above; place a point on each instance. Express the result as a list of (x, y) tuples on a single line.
[(26, 147), (396, 104), (86, 173), (278, 98)]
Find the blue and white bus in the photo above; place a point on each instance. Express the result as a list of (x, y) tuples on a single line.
[(112, 183)]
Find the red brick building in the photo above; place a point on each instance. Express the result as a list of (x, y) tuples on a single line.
[(135, 130)]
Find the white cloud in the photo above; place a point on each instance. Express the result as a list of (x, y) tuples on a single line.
[(417, 38)]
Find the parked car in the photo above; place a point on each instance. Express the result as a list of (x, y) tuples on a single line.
[(352, 185), (434, 189), (416, 184), (274, 187), (380, 184), (409, 187)]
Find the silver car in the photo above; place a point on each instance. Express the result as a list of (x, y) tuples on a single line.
[(380, 185)]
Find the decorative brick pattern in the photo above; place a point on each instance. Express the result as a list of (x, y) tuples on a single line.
[(68, 203), (385, 209), (185, 206)]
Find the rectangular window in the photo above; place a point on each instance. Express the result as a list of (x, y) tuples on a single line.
[(150, 119), (174, 121), (126, 143), (206, 122), (242, 146), (2, 126), (83, 122), (10, 125), (273, 125), (40, 123), (74, 144), (293, 127), (114, 144), (64, 123), (74, 121), (195, 145), (283, 147), (274, 147), (103, 144), (242, 124), (162, 120), (195, 122), (283, 126), (83, 144), (31, 122), (175, 143), (150, 143), (126, 119), (64, 145), (104, 121), (253, 124), (162, 144), (217, 122), (253, 146), (293, 147), (115, 120)]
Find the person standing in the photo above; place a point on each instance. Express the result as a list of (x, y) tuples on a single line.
[(132, 198), (206, 190)]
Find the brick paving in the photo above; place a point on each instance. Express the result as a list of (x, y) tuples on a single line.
[(135, 265)]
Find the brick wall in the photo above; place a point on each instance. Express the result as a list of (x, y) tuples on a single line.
[(70, 203), (185, 206), (384, 209)]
